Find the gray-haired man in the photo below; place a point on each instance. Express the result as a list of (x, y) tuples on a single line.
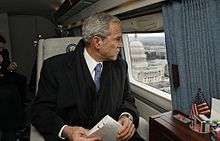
[(73, 96)]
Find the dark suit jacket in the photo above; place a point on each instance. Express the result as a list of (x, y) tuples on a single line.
[(12, 99), (67, 94)]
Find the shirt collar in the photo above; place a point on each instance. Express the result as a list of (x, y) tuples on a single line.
[(91, 63)]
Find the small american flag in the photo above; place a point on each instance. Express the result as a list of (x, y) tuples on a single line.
[(199, 105)]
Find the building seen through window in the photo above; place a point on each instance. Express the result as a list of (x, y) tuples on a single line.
[(149, 60)]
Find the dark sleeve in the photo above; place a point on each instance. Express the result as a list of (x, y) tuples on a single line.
[(27, 99), (128, 104), (23, 92), (44, 116), (32, 82)]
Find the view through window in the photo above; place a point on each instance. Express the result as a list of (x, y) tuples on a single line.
[(149, 59)]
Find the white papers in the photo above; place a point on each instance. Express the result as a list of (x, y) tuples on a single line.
[(107, 129), (215, 112)]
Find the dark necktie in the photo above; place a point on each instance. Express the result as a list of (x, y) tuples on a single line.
[(98, 70)]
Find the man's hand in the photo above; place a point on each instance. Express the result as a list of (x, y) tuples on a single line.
[(77, 134), (127, 130), (12, 67)]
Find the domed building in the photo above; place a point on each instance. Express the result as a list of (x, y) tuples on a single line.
[(138, 58), (143, 71)]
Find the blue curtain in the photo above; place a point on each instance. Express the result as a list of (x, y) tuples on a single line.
[(192, 31)]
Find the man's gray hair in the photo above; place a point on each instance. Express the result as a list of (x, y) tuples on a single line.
[(97, 25)]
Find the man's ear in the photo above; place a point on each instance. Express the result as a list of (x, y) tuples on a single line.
[(97, 42)]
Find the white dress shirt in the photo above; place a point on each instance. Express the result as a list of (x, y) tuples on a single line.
[(91, 63)]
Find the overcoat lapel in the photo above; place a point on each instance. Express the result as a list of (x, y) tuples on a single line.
[(83, 84)]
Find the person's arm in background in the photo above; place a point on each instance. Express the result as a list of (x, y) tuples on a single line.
[(22, 82), (24, 132), (24, 93)]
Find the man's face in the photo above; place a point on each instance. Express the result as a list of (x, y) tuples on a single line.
[(112, 43)]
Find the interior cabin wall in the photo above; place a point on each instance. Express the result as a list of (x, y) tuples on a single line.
[(24, 30), (75, 31), (4, 29), (145, 110)]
